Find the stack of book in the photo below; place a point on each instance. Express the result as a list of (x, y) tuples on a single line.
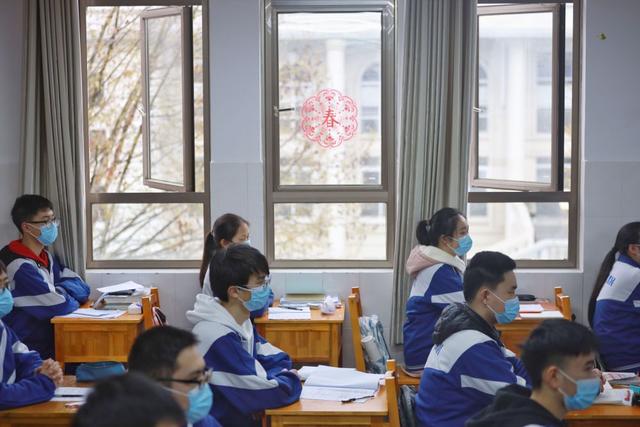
[(120, 297)]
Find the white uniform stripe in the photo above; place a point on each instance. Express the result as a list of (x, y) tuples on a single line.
[(423, 280), (443, 357), (19, 347), (267, 349), (3, 349), (42, 300), (449, 298), (247, 382), (482, 385)]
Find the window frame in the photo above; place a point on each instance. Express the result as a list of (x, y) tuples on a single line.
[(276, 193), (188, 131), (556, 194), (192, 197)]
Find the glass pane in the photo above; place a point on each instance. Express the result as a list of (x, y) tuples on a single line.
[(515, 91), (147, 231), (114, 99), (164, 71), (568, 87), (329, 85), (344, 231), (521, 230)]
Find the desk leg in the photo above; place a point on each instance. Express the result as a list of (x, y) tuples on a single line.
[(58, 334), (336, 343)]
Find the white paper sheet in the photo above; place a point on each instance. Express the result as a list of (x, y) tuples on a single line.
[(126, 286), (531, 308), (330, 377), (553, 314), (71, 394), (280, 313), (336, 394), (90, 313), (614, 396)]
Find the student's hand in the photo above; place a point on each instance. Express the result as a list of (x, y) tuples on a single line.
[(51, 369), (295, 371), (598, 372)]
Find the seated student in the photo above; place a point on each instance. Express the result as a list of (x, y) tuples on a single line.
[(129, 400), (249, 374), (26, 379), (436, 281), (614, 313), (468, 363), (559, 356), (42, 287), (169, 355), (227, 229)]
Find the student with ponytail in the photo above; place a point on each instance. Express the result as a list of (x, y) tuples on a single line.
[(614, 308), (436, 269), (227, 229)]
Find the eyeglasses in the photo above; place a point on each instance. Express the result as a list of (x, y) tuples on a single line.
[(47, 222), (205, 378), (266, 283)]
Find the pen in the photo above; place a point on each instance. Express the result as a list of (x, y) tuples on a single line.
[(291, 308), (353, 399)]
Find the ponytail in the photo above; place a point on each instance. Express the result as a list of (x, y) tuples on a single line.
[(605, 269), (224, 228), (442, 223), (207, 254), (629, 234)]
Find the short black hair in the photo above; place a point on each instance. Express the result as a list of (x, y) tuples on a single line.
[(129, 400), (155, 351), (485, 269), (552, 342), (234, 266), (27, 206), (3, 268)]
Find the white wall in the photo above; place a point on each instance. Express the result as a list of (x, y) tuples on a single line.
[(11, 70), (611, 151)]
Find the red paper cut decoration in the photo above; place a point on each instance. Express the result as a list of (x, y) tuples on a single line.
[(329, 118)]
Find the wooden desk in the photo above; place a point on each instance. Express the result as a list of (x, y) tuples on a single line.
[(41, 414), (317, 413), (93, 340), (316, 340), (517, 332), (605, 416)]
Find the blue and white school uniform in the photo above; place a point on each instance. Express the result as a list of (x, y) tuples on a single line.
[(466, 367), (20, 384), (249, 374), (616, 319), (437, 282)]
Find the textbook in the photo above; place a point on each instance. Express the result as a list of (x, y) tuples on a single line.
[(340, 384)]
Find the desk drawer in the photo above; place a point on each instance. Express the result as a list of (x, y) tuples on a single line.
[(303, 342), (95, 342)]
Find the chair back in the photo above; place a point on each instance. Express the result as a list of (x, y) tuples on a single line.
[(355, 312), (392, 388), (151, 314), (563, 303)]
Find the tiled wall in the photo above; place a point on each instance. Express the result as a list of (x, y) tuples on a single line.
[(10, 94)]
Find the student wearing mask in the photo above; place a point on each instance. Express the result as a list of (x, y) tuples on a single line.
[(129, 400), (560, 358), (436, 269), (614, 308), (26, 379), (249, 374), (468, 363), (170, 356), (227, 229), (41, 286)]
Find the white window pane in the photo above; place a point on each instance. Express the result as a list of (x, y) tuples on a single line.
[(335, 231), (537, 231), (147, 231), (515, 54), (325, 136)]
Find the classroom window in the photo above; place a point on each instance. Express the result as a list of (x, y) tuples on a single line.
[(330, 135), (146, 85), (523, 198)]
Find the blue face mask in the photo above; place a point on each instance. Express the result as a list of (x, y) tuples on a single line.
[(511, 310), (6, 302), (464, 245), (200, 402), (586, 392), (259, 296), (48, 234)]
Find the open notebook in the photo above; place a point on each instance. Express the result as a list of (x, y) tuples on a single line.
[(340, 384)]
